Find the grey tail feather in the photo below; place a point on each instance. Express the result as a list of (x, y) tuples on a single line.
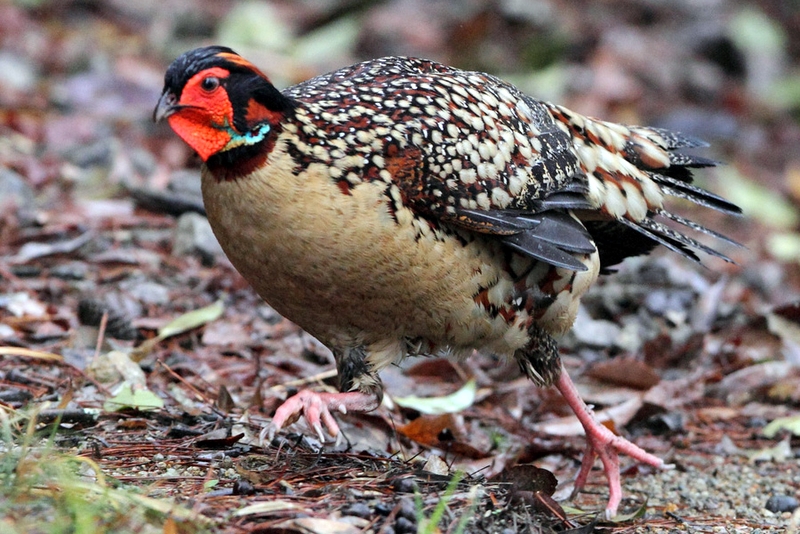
[(697, 227), (673, 240), (691, 160), (679, 140), (666, 231), (673, 245), (681, 189)]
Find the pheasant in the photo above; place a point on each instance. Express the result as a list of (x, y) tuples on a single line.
[(402, 207)]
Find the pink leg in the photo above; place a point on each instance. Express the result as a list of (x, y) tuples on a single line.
[(600, 441), (317, 409)]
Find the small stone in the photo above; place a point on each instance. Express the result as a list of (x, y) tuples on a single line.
[(782, 503), (243, 487), (69, 271), (405, 526), (404, 485), (594, 332), (193, 235), (19, 73), (146, 292), (185, 183), (14, 188), (383, 509), (358, 509), (26, 271), (407, 509), (96, 154), (144, 163)]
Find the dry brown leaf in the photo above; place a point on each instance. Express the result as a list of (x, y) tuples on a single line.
[(625, 372)]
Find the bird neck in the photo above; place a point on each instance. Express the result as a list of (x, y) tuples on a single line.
[(248, 151), (241, 161)]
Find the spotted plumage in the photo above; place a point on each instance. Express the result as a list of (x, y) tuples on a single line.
[(400, 206)]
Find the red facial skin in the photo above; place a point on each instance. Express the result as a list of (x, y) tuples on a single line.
[(204, 117)]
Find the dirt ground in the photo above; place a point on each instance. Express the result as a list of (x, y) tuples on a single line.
[(103, 246)]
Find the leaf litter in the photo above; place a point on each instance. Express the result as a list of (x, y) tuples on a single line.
[(94, 219)]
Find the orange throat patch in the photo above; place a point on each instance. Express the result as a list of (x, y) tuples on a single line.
[(194, 128)]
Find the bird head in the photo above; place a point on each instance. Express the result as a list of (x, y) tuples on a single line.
[(217, 102)]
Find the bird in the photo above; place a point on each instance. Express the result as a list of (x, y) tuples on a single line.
[(401, 207)]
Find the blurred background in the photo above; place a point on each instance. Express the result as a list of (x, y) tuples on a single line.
[(80, 80), (99, 206)]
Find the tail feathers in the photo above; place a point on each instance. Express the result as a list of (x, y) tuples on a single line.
[(680, 189), (665, 232), (631, 171), (667, 241), (698, 227), (690, 160), (675, 140)]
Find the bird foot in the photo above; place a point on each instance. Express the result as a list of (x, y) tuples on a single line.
[(317, 407), (602, 443)]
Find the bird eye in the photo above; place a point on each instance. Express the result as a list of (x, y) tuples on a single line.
[(210, 83)]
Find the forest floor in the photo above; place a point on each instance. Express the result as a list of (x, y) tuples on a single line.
[(136, 365)]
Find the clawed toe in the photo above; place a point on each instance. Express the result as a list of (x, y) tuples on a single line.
[(316, 408), (310, 404)]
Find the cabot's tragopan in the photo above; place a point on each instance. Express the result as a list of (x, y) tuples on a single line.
[(402, 207)]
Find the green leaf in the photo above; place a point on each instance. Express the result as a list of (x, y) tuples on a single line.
[(758, 201), (636, 514), (259, 25), (784, 246), (755, 32), (790, 423), (191, 320), (140, 399), (455, 402)]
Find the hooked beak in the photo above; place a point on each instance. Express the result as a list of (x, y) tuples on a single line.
[(167, 105)]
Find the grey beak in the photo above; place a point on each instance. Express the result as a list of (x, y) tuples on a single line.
[(167, 105)]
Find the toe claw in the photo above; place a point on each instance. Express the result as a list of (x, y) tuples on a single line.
[(319, 431), (316, 407)]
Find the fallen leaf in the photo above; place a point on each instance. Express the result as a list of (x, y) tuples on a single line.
[(138, 399), (224, 401), (790, 424), (618, 416), (187, 321), (314, 525), (33, 250), (444, 431), (29, 353), (115, 366), (434, 464), (528, 477), (625, 372), (740, 386), (455, 402), (433, 430), (267, 507), (779, 453), (191, 320)]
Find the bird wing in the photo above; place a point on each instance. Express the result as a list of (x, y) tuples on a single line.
[(470, 151)]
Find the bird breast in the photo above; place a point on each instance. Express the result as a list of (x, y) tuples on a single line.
[(352, 272)]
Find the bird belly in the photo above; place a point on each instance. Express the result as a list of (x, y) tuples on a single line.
[(347, 270)]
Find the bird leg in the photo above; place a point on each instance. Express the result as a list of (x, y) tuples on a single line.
[(541, 362), (600, 441), (361, 391), (317, 407)]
